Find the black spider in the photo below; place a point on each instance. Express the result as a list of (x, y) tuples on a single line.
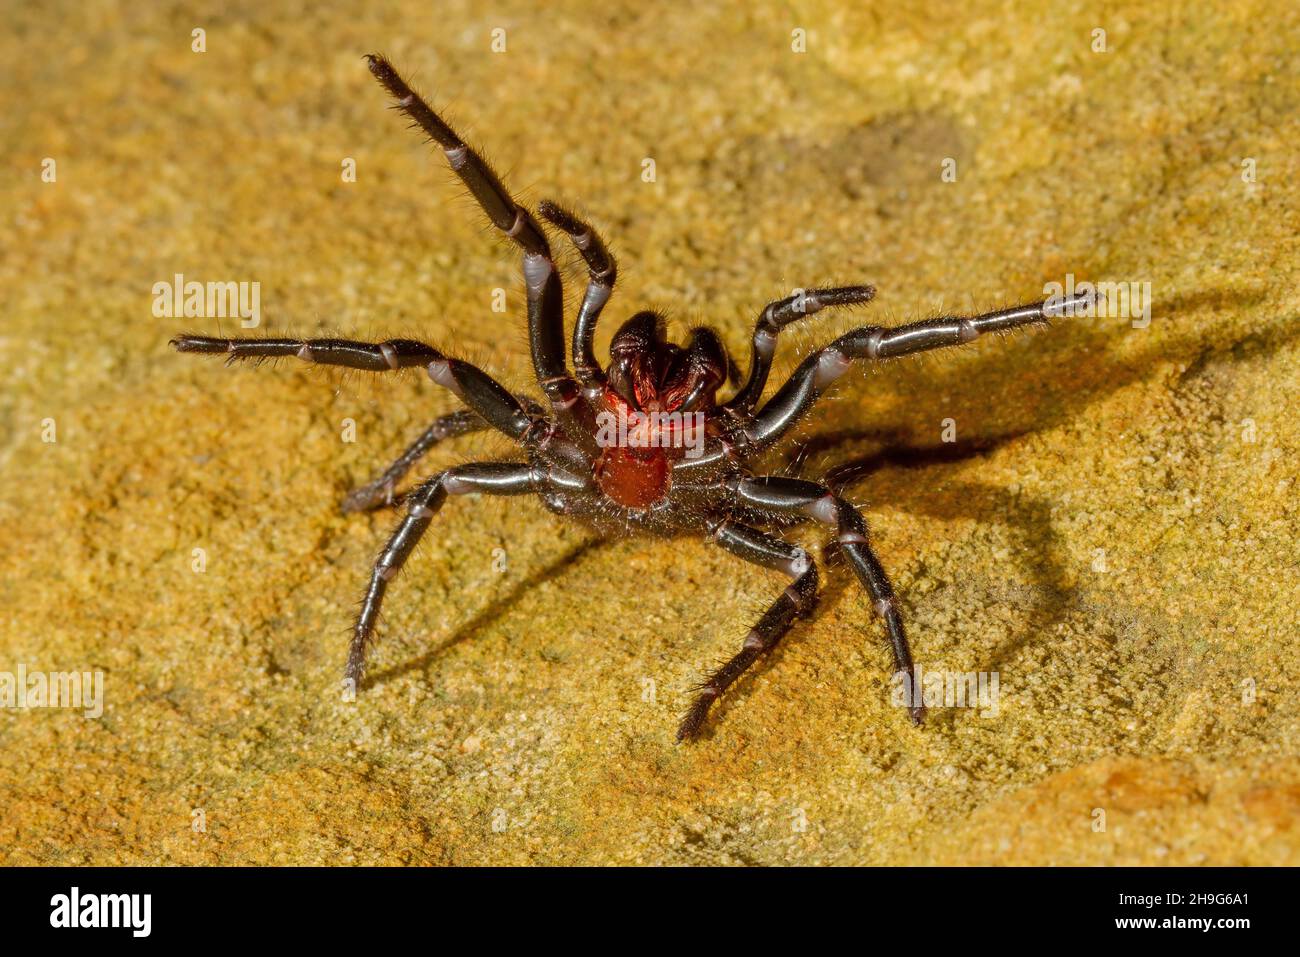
[(679, 462)]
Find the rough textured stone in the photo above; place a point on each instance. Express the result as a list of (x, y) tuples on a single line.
[(1120, 547)]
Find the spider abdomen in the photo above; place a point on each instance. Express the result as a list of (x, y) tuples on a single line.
[(634, 478)]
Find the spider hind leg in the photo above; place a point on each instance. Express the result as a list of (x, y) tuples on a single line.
[(768, 551)]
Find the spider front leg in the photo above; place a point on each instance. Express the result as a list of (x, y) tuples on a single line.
[(747, 435), (816, 373), (770, 552), (777, 495), (602, 273), (545, 297), (484, 395), (775, 317), (490, 478), (387, 356)]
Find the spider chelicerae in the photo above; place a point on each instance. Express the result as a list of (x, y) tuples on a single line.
[(643, 444)]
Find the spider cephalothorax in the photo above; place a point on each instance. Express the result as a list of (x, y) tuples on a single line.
[(641, 444), (654, 408)]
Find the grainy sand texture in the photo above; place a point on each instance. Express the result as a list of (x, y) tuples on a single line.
[(1112, 530)]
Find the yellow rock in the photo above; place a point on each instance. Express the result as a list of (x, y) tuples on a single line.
[(1122, 552)]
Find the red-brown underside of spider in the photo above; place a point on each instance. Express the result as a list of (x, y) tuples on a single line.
[(634, 478), (658, 377)]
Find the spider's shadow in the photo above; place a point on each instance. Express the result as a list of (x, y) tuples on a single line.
[(1028, 516), (980, 501), (490, 614), (1031, 519)]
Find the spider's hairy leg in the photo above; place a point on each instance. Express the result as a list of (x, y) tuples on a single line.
[(488, 398), (491, 478), (483, 183), (770, 552), (776, 316), (485, 395), (378, 493), (387, 356), (816, 373), (545, 297), (602, 274), (778, 495)]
